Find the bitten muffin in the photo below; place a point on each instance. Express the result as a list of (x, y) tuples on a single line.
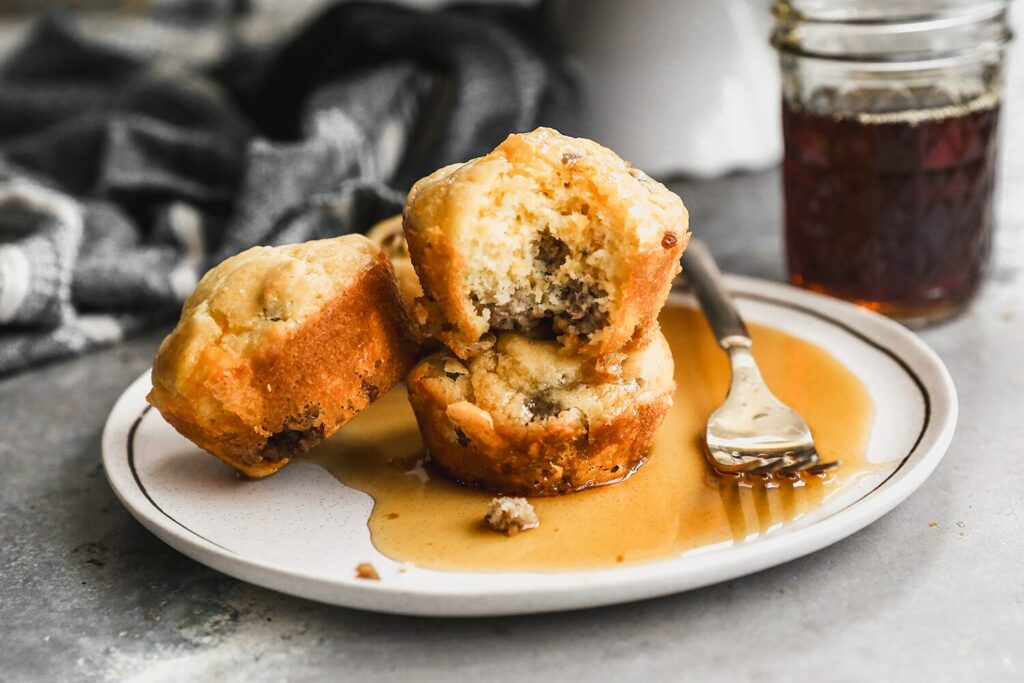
[(278, 347), (525, 418), (388, 235), (549, 236)]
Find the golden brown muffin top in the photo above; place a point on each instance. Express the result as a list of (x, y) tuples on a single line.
[(258, 296), (642, 206)]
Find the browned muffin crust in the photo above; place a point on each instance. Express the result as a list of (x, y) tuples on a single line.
[(499, 424), (256, 393)]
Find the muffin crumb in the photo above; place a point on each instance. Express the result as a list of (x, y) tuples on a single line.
[(365, 570), (511, 515)]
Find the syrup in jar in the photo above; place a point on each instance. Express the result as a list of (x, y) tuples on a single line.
[(891, 210), (890, 111)]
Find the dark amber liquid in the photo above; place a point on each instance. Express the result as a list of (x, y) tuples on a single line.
[(894, 211)]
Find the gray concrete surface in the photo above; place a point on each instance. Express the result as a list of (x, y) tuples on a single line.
[(87, 594)]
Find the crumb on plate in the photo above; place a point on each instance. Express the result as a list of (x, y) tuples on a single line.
[(365, 570), (511, 515)]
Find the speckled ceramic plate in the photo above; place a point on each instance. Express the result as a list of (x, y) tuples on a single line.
[(302, 532)]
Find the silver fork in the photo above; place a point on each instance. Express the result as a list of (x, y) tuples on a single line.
[(752, 432)]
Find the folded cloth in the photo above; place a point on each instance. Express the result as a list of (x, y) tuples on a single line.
[(132, 160)]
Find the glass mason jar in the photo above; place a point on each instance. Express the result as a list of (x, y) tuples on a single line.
[(890, 117)]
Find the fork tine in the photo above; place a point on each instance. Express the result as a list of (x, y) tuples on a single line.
[(812, 465), (772, 465), (806, 461), (788, 464), (763, 470), (824, 466)]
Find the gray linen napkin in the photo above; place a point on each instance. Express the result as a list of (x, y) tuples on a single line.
[(133, 161)]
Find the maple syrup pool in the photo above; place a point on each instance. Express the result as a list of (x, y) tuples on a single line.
[(671, 505)]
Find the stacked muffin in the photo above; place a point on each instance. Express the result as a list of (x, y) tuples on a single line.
[(542, 266)]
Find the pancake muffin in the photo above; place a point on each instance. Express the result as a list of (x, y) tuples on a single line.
[(278, 347), (549, 236), (388, 235), (526, 418)]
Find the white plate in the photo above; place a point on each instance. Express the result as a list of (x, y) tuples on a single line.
[(302, 532)]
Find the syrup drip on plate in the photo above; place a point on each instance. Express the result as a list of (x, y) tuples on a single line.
[(672, 505)]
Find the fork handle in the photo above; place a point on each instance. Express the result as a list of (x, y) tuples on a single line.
[(702, 273)]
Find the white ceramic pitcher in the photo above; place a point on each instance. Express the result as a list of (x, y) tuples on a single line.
[(678, 87)]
